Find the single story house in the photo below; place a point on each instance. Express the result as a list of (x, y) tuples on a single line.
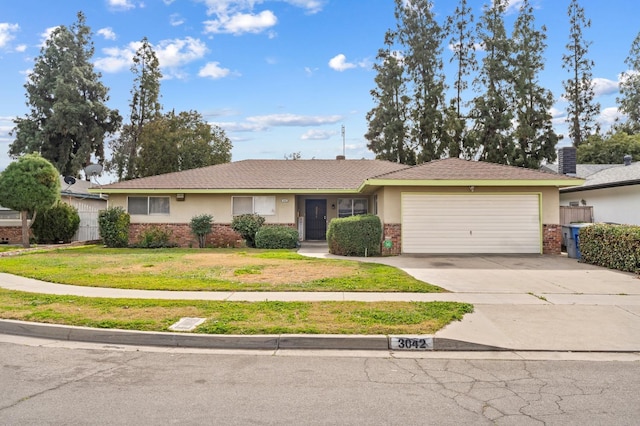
[(614, 194), (444, 206), (610, 192), (75, 194)]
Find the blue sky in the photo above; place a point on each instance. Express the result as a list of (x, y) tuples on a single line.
[(280, 76)]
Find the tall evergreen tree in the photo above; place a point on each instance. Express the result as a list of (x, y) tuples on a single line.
[(535, 138), (421, 36), (68, 119), (629, 99), (176, 142), (387, 121), (462, 43), (144, 107), (492, 111), (581, 110)]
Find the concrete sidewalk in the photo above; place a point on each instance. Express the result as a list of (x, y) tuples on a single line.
[(524, 303)]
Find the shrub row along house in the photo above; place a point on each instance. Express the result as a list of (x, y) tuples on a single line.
[(444, 206)]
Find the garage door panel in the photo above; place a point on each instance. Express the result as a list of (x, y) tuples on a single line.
[(475, 223)]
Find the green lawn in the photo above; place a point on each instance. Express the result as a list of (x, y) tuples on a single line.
[(208, 270), (220, 270), (235, 317)]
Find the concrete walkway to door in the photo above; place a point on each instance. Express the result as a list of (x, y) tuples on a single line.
[(529, 302)]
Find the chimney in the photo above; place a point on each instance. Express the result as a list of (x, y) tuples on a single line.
[(567, 159), (340, 157), (627, 160)]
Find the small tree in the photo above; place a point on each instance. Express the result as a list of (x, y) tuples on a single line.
[(56, 224), (29, 185), (201, 227), (247, 225), (114, 227)]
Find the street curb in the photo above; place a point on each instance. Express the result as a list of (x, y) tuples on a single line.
[(223, 341)]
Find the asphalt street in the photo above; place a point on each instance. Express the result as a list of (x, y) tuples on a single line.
[(48, 383)]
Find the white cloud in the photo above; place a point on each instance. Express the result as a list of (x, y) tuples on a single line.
[(121, 4), (178, 52), (293, 120), (317, 135), (117, 59), (7, 32), (214, 71), (241, 23), (176, 20), (603, 86), (312, 6), (172, 54), (340, 63), (608, 116), (21, 48), (232, 126), (107, 33)]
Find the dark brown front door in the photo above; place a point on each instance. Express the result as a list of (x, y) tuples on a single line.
[(315, 222)]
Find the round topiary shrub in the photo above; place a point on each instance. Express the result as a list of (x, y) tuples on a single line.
[(276, 237), (57, 224)]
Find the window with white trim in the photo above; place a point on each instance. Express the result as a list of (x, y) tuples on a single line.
[(149, 206), (6, 214), (261, 205), (352, 206)]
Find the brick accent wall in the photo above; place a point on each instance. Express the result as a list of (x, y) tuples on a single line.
[(221, 235), (11, 234), (392, 232), (551, 238)]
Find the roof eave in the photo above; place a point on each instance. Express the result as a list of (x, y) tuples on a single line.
[(473, 182), (600, 186), (225, 191)]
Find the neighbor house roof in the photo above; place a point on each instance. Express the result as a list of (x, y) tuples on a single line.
[(582, 170), (620, 175), (79, 189), (246, 175), (455, 171)]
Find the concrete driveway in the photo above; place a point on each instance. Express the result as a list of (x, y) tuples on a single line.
[(531, 302), (537, 274)]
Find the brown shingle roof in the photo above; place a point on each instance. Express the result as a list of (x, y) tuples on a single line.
[(267, 174), (458, 169)]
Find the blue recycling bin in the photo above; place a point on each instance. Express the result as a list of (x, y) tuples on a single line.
[(571, 238)]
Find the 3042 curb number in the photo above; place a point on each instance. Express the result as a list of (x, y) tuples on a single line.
[(412, 343)]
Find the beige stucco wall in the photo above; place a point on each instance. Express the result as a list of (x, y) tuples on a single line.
[(218, 205), (389, 204)]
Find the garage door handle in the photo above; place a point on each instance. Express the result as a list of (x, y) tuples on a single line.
[(470, 232)]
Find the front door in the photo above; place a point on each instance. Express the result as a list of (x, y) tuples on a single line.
[(315, 221)]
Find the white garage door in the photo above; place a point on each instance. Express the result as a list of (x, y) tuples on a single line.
[(470, 223)]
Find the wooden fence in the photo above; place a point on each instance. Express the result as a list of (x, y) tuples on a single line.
[(570, 214)]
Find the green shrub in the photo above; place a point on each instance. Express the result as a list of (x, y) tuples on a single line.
[(201, 227), (113, 224), (225, 237), (276, 237), (155, 236), (247, 226), (611, 246), (355, 236), (56, 224)]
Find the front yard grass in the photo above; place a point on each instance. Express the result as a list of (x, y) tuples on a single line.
[(234, 317), (208, 270)]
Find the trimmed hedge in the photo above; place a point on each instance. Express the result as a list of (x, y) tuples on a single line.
[(276, 237), (355, 235), (611, 246)]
